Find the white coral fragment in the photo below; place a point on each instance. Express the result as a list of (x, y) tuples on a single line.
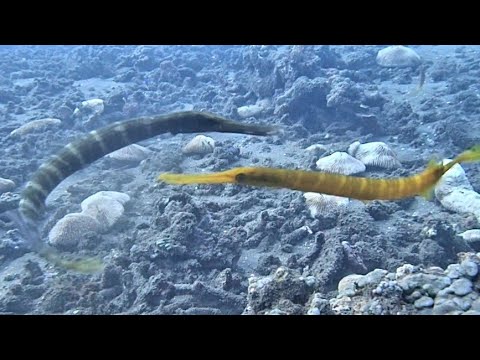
[(99, 213), (320, 203), (375, 153), (35, 126), (69, 230), (340, 163), (199, 145), (106, 207), (398, 56)]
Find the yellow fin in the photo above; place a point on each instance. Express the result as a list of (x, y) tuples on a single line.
[(88, 265), (428, 194), (471, 155), (434, 162), (85, 266)]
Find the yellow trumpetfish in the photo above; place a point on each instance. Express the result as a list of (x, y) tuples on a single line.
[(360, 188)]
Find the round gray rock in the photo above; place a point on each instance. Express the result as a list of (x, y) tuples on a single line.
[(470, 268), (461, 287), (423, 302)]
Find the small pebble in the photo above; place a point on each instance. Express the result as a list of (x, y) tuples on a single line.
[(446, 307), (425, 311), (476, 305), (463, 303), (276, 311), (461, 287), (314, 311), (423, 302), (310, 280), (470, 268), (443, 294), (454, 271), (416, 295)]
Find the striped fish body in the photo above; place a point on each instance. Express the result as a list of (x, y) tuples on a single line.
[(89, 148)]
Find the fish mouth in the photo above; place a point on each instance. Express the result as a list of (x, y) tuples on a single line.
[(185, 179)]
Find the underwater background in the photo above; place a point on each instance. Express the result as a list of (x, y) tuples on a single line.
[(373, 111)]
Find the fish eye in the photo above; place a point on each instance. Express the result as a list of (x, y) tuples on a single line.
[(241, 177)]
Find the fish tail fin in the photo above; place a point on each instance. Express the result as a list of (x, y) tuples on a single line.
[(470, 155), (29, 231), (86, 265)]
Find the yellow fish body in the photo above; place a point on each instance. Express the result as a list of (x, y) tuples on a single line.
[(360, 188)]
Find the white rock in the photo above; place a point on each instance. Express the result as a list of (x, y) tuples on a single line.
[(423, 302), (398, 56), (372, 278), (106, 207), (106, 211), (95, 105), (252, 110), (455, 192), (6, 185), (122, 198), (317, 147), (348, 285), (454, 271), (462, 201), (471, 235), (453, 178), (470, 268), (313, 311), (461, 287)]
